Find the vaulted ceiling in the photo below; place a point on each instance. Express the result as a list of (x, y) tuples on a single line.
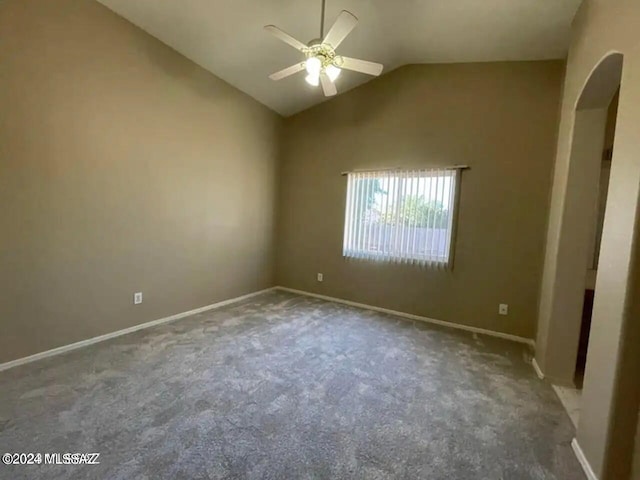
[(226, 36)]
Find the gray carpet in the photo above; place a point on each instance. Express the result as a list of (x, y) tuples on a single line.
[(289, 387)]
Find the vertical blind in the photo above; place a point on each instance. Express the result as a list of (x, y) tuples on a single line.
[(403, 216)]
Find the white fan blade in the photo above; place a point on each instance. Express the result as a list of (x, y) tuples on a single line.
[(285, 37), (287, 71), (328, 87), (344, 24), (362, 66)]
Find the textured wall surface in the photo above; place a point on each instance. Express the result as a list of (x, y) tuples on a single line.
[(124, 167), (498, 118)]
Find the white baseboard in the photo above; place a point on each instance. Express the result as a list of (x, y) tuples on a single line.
[(411, 316), (135, 328), (584, 463), (536, 367)]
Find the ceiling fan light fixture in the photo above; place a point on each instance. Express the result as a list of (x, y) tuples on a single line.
[(332, 72), (322, 65), (313, 66), (313, 79)]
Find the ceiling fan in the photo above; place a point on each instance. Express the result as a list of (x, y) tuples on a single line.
[(322, 64)]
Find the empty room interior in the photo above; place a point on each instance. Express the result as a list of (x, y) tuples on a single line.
[(329, 239)]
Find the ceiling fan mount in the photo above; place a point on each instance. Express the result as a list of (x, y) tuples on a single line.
[(322, 64)]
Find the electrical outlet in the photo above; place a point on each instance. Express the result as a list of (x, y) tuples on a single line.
[(503, 309), (137, 298), (320, 277)]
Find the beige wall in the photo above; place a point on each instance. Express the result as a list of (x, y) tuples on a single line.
[(499, 118), (574, 249), (636, 454), (601, 27), (612, 118), (603, 187), (626, 401), (124, 167)]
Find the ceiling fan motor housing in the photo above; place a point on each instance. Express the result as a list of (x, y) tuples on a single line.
[(323, 52)]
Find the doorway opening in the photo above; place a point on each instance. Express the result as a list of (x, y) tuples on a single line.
[(583, 224), (596, 239)]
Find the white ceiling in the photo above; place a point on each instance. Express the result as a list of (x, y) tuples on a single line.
[(226, 36)]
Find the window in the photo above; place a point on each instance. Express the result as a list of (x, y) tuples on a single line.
[(404, 216)]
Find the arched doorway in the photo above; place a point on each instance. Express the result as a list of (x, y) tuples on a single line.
[(611, 389), (569, 278), (591, 156)]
